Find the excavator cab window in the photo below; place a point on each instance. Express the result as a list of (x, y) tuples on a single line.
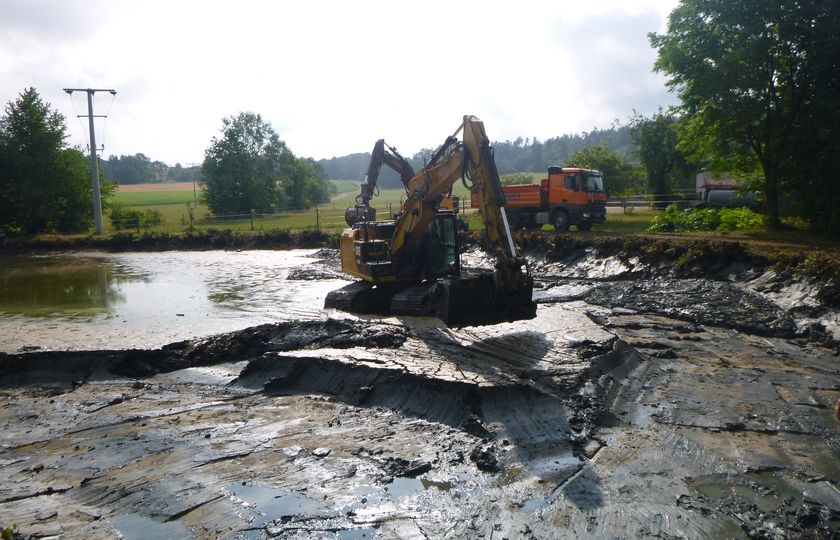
[(441, 247)]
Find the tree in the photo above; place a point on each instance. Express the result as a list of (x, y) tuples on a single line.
[(657, 146), (250, 168), (244, 169), (748, 74), (44, 185), (620, 175), (308, 184)]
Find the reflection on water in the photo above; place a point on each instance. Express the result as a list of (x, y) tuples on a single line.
[(45, 286), (144, 300)]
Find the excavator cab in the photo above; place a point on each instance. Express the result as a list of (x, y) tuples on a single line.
[(440, 247)]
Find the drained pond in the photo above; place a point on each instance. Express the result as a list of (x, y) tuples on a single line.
[(643, 401)]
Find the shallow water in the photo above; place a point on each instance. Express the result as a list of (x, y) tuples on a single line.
[(144, 300)]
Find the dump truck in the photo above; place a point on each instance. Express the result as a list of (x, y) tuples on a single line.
[(568, 196)]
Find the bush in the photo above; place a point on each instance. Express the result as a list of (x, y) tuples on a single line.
[(738, 219), (706, 219), (122, 217)]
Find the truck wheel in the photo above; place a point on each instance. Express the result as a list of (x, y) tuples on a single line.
[(560, 220), (513, 220), (584, 226)]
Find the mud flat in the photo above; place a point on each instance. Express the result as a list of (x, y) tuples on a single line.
[(639, 403)]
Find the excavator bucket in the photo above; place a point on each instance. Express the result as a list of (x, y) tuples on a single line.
[(478, 301), (458, 302)]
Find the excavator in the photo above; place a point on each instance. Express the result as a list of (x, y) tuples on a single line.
[(385, 154), (410, 265)]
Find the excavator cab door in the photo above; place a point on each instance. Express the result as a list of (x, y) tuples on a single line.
[(441, 247)]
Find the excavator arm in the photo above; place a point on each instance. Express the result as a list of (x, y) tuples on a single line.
[(382, 154), (470, 160)]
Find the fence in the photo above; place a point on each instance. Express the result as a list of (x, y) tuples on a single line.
[(681, 197), (324, 217)]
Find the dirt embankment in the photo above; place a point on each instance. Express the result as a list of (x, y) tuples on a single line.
[(664, 390)]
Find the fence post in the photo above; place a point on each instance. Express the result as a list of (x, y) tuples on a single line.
[(252, 218), (317, 218)]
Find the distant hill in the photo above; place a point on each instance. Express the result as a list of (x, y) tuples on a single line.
[(528, 155)]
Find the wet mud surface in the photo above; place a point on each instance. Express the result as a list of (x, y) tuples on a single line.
[(639, 403)]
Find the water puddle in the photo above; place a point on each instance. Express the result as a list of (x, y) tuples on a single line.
[(356, 534), (402, 487), (137, 527), (267, 504), (754, 488), (145, 300), (375, 498)]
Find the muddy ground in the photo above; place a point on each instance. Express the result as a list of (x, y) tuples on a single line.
[(643, 401)]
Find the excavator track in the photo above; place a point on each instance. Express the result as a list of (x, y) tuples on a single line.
[(359, 297), (457, 302)]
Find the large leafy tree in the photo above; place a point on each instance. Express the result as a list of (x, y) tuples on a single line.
[(244, 168), (308, 184), (250, 168), (657, 145), (620, 175), (44, 185), (748, 73)]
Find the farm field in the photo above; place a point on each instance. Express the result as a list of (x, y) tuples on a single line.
[(144, 188), (173, 201)]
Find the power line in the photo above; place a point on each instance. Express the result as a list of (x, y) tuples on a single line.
[(94, 167)]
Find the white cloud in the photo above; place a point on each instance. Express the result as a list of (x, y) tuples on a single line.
[(333, 76)]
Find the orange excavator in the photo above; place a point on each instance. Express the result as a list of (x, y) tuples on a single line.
[(410, 265)]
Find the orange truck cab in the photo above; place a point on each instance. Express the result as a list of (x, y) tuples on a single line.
[(569, 196)]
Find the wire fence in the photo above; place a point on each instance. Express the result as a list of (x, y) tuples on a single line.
[(322, 217), (683, 198)]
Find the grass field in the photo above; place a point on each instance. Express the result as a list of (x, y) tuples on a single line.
[(151, 198), (174, 205), (168, 186)]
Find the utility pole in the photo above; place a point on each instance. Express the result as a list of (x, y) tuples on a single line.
[(94, 168), (192, 167)]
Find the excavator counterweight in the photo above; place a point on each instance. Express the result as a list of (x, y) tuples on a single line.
[(410, 265)]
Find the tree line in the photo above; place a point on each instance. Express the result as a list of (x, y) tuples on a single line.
[(519, 155), (139, 169)]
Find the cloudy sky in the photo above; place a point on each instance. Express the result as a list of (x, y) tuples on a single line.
[(332, 76)]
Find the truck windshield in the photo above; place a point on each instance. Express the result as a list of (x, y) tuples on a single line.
[(593, 182)]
